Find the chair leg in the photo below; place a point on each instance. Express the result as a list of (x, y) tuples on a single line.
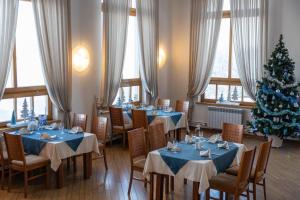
[(226, 196), (172, 183), (248, 194), (167, 184), (185, 181), (124, 139), (236, 197), (254, 191), (2, 177), (130, 181), (68, 164), (9, 179), (25, 184), (221, 195), (74, 164), (145, 183), (104, 157), (207, 194), (265, 192), (47, 177)]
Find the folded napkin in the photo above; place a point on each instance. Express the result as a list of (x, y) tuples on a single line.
[(205, 153), (170, 145), (52, 126), (188, 139), (224, 145), (76, 129), (215, 138)]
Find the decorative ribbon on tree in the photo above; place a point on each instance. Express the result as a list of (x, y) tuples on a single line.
[(277, 110)]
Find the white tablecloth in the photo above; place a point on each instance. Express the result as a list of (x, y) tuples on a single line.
[(169, 125), (199, 171)]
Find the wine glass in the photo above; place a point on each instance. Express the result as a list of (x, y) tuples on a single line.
[(61, 127)]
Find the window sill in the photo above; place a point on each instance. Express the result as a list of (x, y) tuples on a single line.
[(225, 105), (3, 126)]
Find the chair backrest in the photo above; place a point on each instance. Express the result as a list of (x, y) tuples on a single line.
[(139, 119), (263, 158), (156, 136), (232, 132), (136, 103), (245, 169), (164, 102), (14, 145), (80, 120), (116, 116), (136, 143), (99, 128), (182, 106)]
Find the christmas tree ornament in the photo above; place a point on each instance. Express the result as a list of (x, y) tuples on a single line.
[(292, 93), (13, 118), (275, 110), (280, 106), (235, 96), (25, 111)]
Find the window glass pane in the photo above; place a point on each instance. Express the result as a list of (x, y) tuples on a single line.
[(6, 109), (9, 83), (223, 89), (246, 97), (20, 102), (126, 94), (210, 92), (40, 105), (220, 66), (226, 5), (135, 93), (29, 67), (234, 69), (131, 69), (133, 3), (235, 93)]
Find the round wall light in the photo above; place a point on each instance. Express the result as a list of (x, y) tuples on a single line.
[(80, 58), (161, 57)]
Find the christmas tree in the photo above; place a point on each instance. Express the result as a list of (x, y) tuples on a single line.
[(235, 96), (277, 111), (25, 111)]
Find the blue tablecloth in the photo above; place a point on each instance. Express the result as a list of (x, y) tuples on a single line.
[(151, 114), (222, 158), (33, 144)]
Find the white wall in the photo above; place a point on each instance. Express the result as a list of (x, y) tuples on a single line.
[(284, 18), (86, 30)]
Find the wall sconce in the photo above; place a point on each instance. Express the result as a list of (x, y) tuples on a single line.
[(161, 57), (80, 58)]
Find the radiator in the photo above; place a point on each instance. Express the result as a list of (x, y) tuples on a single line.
[(218, 115)]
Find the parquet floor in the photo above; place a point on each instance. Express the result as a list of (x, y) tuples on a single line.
[(283, 179)]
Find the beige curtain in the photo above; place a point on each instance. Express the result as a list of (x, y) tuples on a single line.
[(8, 23), (206, 19), (52, 22), (147, 16), (249, 30), (115, 19)]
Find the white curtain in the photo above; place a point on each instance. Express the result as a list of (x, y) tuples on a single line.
[(115, 19), (147, 16), (206, 19), (8, 23), (249, 22), (52, 22)]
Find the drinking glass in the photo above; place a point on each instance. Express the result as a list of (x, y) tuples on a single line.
[(61, 127)]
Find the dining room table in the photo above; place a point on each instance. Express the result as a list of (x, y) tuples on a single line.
[(187, 160), (60, 145)]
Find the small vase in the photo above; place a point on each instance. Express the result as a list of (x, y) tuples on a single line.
[(277, 141)]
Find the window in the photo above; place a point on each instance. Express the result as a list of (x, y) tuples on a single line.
[(25, 80), (131, 87), (225, 79)]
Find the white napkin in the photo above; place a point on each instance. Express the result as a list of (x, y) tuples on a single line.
[(205, 153), (76, 129), (214, 138), (52, 126), (224, 145), (188, 139), (170, 145)]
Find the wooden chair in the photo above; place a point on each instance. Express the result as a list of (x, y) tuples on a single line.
[(163, 103), (258, 174), (139, 119), (117, 123), (137, 152), (156, 136), (18, 162), (231, 184), (182, 106), (232, 132), (99, 128), (80, 120), (3, 160)]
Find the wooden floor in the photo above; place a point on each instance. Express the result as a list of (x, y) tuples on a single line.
[(283, 179)]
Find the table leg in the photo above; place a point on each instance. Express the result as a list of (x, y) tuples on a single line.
[(159, 188), (195, 190), (60, 176), (87, 165), (151, 186)]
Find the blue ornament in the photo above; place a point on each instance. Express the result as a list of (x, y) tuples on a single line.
[(13, 118)]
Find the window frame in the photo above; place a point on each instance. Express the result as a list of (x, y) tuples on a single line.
[(30, 92), (229, 80)]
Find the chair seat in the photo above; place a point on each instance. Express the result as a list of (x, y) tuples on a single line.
[(139, 163), (127, 127), (31, 160), (223, 182), (234, 171)]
